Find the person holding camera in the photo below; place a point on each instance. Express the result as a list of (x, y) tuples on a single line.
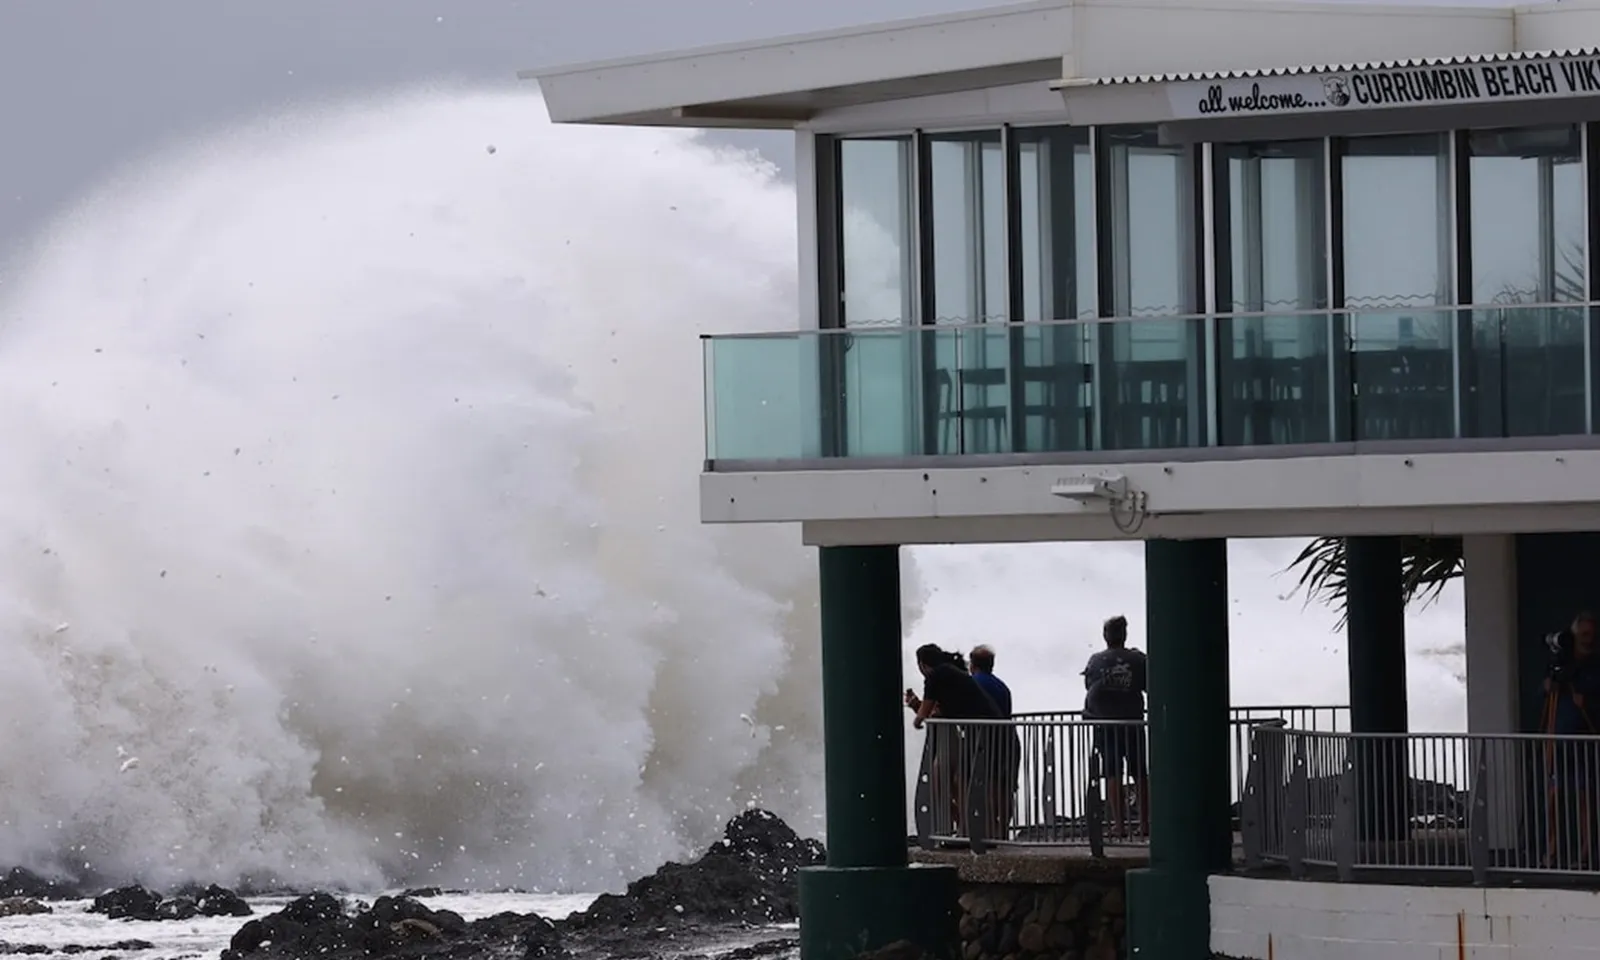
[(949, 692), (1572, 705)]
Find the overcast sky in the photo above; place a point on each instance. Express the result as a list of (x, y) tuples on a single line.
[(88, 84)]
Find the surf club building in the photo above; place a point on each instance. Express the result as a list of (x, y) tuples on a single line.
[(1183, 271)]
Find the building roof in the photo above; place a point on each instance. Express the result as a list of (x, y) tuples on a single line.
[(790, 81), (782, 82)]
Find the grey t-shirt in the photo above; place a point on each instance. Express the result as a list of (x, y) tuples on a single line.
[(1115, 679)]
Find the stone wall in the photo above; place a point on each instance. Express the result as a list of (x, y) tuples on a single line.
[(1077, 920)]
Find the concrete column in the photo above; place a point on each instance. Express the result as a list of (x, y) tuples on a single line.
[(1493, 691), (1375, 605), (867, 897), (1191, 832)]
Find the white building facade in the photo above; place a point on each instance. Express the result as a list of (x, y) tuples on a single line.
[(1178, 271)]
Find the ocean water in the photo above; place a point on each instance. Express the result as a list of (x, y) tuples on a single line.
[(73, 925), (349, 522)]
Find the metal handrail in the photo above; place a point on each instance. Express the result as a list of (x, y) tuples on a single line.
[(1058, 795), (1357, 311), (1490, 805)]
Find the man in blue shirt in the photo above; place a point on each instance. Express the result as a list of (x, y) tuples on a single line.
[(982, 661), (1005, 745)]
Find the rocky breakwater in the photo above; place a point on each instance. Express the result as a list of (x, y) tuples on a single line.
[(746, 881), (23, 893), (137, 903)]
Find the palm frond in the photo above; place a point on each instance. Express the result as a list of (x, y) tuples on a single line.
[(1427, 564)]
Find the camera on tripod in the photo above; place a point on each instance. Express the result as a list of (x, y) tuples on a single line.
[(1560, 646)]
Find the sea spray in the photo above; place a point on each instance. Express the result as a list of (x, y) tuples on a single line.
[(350, 484)]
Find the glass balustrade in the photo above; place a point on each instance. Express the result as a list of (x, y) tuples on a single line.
[(1150, 383)]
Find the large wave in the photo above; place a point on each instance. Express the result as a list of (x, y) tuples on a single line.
[(350, 488), (349, 524)]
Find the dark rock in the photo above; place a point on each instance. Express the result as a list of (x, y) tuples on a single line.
[(313, 924), (72, 949), (122, 946), (319, 926), (423, 892), (18, 882), (215, 901), (748, 877), (765, 948), (177, 908), (266, 885), (138, 903), (128, 903), (21, 907)]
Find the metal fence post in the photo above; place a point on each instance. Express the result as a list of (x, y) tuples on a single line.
[(1048, 801), (977, 799), (1478, 816), (922, 797), (1344, 819), (1094, 811), (1295, 812), (1250, 800)]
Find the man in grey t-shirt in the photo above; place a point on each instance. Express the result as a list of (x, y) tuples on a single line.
[(1114, 682)]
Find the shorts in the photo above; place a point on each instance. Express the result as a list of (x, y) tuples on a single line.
[(1120, 747)]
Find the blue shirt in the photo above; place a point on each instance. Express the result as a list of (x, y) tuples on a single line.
[(997, 691)]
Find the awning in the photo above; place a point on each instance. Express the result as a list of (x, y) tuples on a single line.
[(1340, 88)]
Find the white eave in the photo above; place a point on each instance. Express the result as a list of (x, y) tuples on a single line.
[(1103, 52), (784, 82)]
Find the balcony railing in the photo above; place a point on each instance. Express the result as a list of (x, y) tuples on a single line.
[(1035, 780), (1485, 806), (1164, 383)]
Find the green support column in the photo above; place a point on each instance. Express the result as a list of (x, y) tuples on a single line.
[(867, 896), (1191, 823), (1377, 631), (1375, 604)]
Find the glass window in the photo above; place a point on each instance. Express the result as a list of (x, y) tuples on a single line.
[(1399, 256), (870, 397), (1149, 393), (1528, 220), (876, 232), (1274, 366), (1529, 254), (966, 178), (1055, 184)]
